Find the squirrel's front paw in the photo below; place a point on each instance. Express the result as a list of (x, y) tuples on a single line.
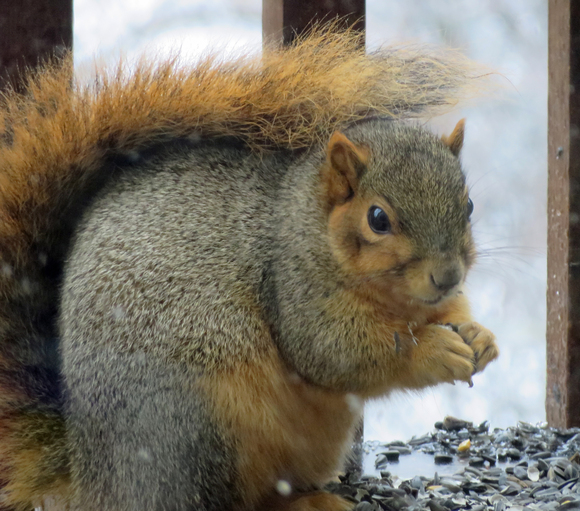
[(440, 355), (481, 341)]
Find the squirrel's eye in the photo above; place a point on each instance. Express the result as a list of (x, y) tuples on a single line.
[(469, 208), (378, 220)]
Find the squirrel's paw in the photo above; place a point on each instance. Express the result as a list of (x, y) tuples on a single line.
[(320, 501), (441, 355), (482, 342)]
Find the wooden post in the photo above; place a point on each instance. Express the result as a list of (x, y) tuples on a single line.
[(30, 32), (283, 20), (563, 299)]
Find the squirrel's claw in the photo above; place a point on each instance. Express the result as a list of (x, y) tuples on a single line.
[(482, 342)]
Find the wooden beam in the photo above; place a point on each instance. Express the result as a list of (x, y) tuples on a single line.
[(563, 297), (283, 20), (30, 32)]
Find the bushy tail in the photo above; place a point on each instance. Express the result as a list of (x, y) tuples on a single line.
[(55, 145)]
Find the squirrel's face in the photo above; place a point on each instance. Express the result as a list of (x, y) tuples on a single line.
[(399, 215)]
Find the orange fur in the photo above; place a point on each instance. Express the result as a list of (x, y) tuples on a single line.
[(455, 311), (284, 429), (455, 140), (379, 253)]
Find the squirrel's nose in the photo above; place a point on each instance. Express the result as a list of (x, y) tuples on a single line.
[(446, 278)]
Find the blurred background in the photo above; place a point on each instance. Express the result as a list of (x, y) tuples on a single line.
[(504, 158)]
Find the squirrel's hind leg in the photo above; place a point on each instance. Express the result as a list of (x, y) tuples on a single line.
[(140, 436)]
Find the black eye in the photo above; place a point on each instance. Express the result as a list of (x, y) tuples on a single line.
[(469, 208), (378, 220)]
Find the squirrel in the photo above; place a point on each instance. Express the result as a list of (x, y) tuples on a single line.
[(205, 272)]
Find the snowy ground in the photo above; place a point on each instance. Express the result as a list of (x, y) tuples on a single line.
[(504, 156)]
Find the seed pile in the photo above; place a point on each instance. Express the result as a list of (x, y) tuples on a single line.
[(527, 466)]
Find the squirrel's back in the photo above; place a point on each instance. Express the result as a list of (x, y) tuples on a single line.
[(174, 239)]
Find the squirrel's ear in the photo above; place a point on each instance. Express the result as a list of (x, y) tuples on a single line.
[(345, 163), (455, 140)]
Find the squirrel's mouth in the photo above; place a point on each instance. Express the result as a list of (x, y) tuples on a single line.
[(435, 301), (441, 298)]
